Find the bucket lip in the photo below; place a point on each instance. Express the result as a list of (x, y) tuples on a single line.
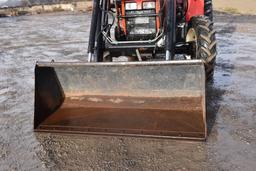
[(67, 132), (144, 63)]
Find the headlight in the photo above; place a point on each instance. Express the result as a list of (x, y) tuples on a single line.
[(149, 5), (130, 6)]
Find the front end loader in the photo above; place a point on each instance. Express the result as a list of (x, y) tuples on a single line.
[(148, 61)]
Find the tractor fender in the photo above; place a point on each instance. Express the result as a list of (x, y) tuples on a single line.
[(194, 8)]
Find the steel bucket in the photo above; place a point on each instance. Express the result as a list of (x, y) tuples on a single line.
[(154, 99)]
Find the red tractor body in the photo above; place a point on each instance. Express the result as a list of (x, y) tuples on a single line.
[(194, 8), (157, 27), (152, 8)]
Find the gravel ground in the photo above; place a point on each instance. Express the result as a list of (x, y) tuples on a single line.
[(231, 144)]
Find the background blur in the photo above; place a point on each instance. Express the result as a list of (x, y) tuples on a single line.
[(230, 6)]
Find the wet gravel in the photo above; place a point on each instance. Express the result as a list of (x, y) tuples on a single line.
[(231, 97)]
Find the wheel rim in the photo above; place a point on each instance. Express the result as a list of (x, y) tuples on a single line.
[(192, 37)]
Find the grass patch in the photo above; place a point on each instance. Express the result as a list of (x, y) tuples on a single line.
[(22, 12), (57, 9), (232, 10)]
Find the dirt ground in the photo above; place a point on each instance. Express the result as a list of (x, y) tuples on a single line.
[(231, 96), (235, 6)]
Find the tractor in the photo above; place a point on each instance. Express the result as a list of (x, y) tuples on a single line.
[(148, 62)]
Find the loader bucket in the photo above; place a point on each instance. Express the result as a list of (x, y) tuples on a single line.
[(153, 99)]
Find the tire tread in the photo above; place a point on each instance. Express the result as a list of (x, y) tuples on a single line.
[(206, 40)]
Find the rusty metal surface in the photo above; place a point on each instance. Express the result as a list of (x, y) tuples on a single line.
[(165, 99)]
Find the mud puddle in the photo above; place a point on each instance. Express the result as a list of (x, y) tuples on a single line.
[(231, 100)]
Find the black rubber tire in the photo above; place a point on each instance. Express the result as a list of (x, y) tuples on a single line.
[(206, 45), (208, 10)]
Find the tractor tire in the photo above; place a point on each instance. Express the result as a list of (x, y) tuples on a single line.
[(208, 10), (205, 45)]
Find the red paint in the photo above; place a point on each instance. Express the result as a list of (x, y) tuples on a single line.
[(139, 3), (139, 6), (123, 14), (195, 8), (157, 12)]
